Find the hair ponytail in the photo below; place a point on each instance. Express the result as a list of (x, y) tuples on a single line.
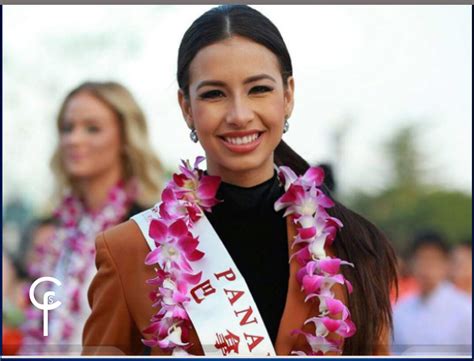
[(285, 155)]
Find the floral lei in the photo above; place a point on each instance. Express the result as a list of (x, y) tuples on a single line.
[(185, 198), (73, 247)]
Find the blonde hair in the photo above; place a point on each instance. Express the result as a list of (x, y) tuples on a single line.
[(140, 163)]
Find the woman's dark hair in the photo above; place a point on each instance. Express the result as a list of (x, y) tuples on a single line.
[(329, 180), (359, 241), (223, 22)]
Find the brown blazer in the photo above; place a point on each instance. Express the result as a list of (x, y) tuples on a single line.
[(121, 308)]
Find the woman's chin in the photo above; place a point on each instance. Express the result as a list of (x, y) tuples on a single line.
[(242, 168)]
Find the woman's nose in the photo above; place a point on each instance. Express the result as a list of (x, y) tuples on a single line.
[(239, 113), (74, 136)]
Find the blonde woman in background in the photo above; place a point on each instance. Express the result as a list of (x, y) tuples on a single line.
[(106, 171)]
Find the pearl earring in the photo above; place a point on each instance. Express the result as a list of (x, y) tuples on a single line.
[(286, 125), (193, 135)]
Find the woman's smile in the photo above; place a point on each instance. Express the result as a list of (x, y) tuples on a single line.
[(243, 141)]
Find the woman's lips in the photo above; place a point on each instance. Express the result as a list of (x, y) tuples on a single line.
[(242, 142), (75, 157)]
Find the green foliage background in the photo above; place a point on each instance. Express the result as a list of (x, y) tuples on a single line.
[(410, 203)]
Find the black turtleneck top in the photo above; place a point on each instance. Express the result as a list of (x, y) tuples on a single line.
[(256, 238)]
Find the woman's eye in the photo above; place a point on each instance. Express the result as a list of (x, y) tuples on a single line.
[(93, 129), (212, 94), (260, 89), (66, 128)]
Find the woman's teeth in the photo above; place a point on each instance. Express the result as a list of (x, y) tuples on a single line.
[(242, 140)]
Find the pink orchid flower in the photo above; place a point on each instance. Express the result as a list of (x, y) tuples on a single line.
[(302, 256), (318, 232), (182, 279), (325, 325), (171, 207), (175, 244), (192, 171), (321, 284), (303, 203), (316, 247), (172, 294), (173, 338), (175, 311), (195, 187), (331, 306), (319, 345), (313, 176), (328, 266), (158, 327)]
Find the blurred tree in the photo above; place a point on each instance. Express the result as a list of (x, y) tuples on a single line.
[(409, 203), (406, 159)]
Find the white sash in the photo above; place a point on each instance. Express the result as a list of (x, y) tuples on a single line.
[(222, 308)]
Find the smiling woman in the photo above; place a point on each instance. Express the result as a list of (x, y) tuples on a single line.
[(90, 137), (241, 259), (236, 101), (102, 180)]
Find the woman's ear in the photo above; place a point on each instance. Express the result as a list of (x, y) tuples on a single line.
[(185, 109), (289, 96)]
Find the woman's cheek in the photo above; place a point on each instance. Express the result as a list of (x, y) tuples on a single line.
[(206, 120)]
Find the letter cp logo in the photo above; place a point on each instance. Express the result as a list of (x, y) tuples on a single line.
[(48, 299)]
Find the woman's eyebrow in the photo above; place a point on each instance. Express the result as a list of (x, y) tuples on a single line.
[(259, 77), (210, 83), (92, 119), (246, 81)]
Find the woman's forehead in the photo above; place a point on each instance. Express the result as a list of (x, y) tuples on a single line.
[(86, 106), (232, 58)]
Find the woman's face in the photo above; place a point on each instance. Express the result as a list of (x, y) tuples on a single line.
[(237, 104), (430, 267), (90, 138)]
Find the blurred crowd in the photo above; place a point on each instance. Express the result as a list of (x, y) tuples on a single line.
[(102, 180), (432, 314)]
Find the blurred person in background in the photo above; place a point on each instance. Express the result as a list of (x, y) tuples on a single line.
[(407, 284), (14, 303), (38, 234), (461, 266), (36, 238), (438, 319), (17, 280), (16, 215), (106, 171)]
